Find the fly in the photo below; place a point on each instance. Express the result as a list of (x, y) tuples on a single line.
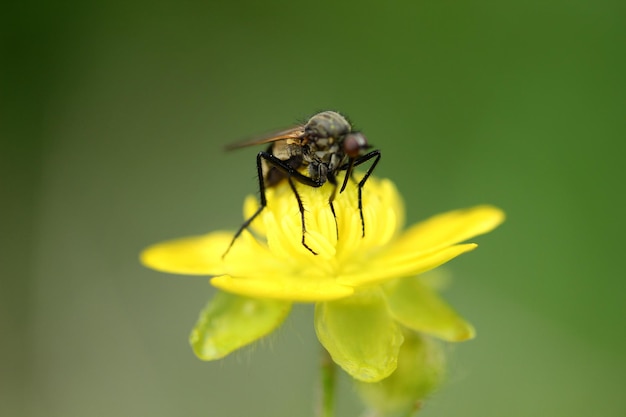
[(311, 154)]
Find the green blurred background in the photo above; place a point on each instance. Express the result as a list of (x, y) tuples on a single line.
[(113, 117)]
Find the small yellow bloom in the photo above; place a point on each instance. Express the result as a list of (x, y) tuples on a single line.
[(366, 288)]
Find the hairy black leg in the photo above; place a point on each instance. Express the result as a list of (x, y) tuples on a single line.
[(301, 208), (291, 173), (263, 203), (349, 169), (333, 181)]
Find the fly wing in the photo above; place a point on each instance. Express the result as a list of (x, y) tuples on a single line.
[(294, 133)]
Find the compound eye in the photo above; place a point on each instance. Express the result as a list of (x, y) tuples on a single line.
[(353, 144)]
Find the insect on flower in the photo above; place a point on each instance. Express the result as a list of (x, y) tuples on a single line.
[(312, 154)]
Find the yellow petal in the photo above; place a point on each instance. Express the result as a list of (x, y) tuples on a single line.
[(292, 288), (197, 255), (449, 228), (401, 264)]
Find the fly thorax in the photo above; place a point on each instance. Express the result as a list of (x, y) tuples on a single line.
[(323, 148), (327, 124), (322, 144)]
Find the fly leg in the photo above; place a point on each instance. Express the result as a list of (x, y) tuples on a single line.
[(333, 181), (349, 169), (291, 174), (262, 204), (301, 208)]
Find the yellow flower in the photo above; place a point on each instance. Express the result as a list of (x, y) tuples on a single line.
[(366, 287)]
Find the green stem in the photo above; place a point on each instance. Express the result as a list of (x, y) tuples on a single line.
[(328, 376)]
